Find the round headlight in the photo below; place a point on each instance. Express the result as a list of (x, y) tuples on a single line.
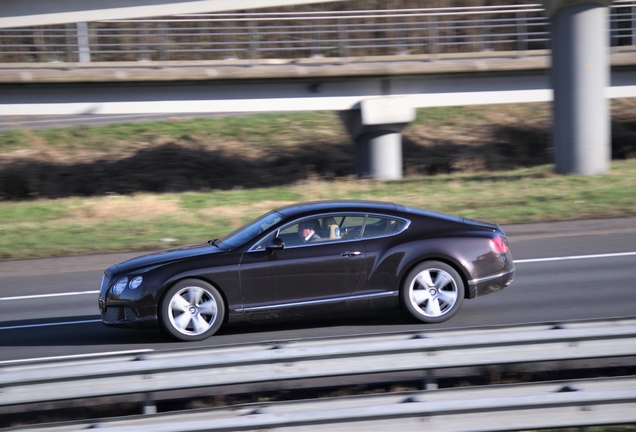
[(135, 282), (120, 286)]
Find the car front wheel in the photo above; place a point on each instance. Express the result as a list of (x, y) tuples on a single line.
[(191, 310), (433, 292)]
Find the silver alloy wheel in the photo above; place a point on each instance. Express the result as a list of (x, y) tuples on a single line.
[(433, 292), (192, 310)]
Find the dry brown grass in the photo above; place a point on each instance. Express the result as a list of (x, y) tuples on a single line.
[(235, 215), (139, 207)]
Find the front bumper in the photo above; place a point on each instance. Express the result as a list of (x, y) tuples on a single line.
[(490, 284), (129, 310), (122, 316)]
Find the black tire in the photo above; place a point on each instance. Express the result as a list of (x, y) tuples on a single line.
[(191, 310), (433, 292)]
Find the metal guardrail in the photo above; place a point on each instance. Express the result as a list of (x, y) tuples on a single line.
[(574, 403), (292, 35), (294, 360)]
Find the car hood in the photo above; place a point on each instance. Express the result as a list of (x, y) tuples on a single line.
[(163, 257)]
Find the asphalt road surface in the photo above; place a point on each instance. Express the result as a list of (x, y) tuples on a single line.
[(565, 271)]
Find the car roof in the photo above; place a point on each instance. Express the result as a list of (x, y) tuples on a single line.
[(331, 206), (308, 208)]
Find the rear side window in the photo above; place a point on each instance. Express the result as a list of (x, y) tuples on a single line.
[(351, 226), (382, 226)]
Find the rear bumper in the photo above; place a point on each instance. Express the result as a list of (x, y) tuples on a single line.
[(488, 285)]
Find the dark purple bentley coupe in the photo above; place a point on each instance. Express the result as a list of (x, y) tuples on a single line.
[(312, 258)]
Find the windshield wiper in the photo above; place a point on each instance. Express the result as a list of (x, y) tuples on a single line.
[(213, 243)]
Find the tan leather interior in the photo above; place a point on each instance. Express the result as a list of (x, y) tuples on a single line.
[(334, 231)]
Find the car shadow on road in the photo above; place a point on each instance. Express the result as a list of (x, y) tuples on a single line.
[(363, 321), (69, 331)]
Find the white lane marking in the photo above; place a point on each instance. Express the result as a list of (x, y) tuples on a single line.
[(76, 356), (48, 295), (611, 255), (50, 324)]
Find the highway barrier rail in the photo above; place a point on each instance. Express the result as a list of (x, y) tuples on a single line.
[(335, 359), (496, 408), (302, 34)]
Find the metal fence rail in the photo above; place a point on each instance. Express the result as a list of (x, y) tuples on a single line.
[(291, 35), (573, 403), (510, 407), (260, 363)]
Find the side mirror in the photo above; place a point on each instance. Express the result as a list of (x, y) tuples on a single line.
[(276, 244)]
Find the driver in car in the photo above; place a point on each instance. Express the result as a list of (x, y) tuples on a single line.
[(307, 231)]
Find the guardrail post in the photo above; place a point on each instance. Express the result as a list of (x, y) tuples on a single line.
[(342, 38), (253, 30), (522, 33), (430, 382), (633, 25), (580, 76), (486, 42), (163, 43), (432, 37), (83, 43), (70, 44), (314, 38), (401, 40), (150, 407), (143, 48), (231, 43)]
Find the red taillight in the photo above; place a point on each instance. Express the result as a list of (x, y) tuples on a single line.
[(499, 244)]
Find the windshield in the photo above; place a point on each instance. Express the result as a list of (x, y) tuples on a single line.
[(249, 231)]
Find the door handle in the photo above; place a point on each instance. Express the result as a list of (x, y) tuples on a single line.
[(348, 254)]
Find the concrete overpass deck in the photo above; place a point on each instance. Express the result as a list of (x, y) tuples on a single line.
[(157, 71)]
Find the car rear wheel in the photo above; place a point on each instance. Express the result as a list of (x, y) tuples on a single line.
[(433, 292), (191, 310)]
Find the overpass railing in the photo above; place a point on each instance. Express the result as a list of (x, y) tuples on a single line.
[(301, 34)]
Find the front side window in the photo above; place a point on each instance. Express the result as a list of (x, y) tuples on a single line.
[(317, 229)]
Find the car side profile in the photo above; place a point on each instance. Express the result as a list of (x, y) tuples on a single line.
[(312, 258)]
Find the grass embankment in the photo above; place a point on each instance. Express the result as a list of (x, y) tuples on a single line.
[(152, 221), (150, 186)]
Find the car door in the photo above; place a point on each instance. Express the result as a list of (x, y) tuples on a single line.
[(384, 254), (322, 271)]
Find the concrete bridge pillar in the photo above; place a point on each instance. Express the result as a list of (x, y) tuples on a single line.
[(580, 75), (376, 130)]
